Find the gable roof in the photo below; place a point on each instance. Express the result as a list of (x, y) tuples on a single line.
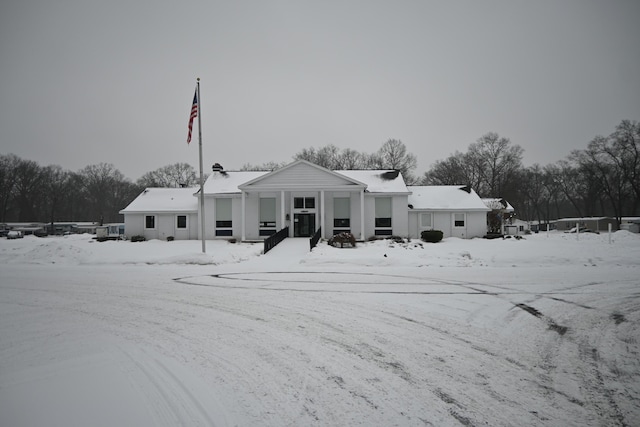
[(304, 175), (163, 200), (301, 174), (445, 197)]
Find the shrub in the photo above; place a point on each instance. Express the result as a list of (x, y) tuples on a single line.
[(232, 240), (341, 239), (431, 236), (170, 238), (396, 239), (138, 238)]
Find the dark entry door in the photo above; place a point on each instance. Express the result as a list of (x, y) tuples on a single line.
[(304, 225)]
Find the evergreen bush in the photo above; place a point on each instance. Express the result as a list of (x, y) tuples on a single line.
[(431, 236)]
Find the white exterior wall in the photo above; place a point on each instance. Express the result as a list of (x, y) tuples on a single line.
[(133, 225), (209, 219), (412, 223), (476, 223), (166, 226), (400, 216), (252, 216), (354, 199)]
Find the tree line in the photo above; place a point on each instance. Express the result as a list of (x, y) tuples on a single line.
[(601, 180), (33, 193)]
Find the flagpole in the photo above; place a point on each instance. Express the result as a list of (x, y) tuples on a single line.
[(202, 228)]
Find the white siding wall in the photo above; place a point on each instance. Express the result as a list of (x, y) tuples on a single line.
[(413, 219), (476, 225), (354, 206), (442, 222), (400, 217), (133, 225), (300, 176), (252, 206)]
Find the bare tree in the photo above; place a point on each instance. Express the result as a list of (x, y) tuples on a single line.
[(57, 186), (106, 191), (623, 150), (171, 176), (268, 166), (497, 160), (8, 165), (28, 189), (597, 162), (393, 155)]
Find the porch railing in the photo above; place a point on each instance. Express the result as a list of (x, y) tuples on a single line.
[(314, 240), (274, 239)]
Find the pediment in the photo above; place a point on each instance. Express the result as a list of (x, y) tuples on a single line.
[(301, 175)]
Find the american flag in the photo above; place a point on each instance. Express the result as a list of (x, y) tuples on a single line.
[(194, 114)]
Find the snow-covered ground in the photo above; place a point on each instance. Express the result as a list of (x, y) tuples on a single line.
[(538, 331)]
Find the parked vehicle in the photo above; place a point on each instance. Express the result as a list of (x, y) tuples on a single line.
[(13, 234)]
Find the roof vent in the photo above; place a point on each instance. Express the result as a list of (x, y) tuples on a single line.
[(217, 167), (390, 175)]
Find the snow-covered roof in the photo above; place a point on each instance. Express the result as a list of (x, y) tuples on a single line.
[(164, 200), (445, 197), (228, 182), (498, 204), (378, 181)]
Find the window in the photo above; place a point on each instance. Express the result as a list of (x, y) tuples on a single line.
[(383, 216), (304, 202), (341, 212), (458, 220), (224, 221), (150, 221), (267, 216), (426, 220), (181, 221)]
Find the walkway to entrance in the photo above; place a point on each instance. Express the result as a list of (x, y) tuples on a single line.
[(291, 247)]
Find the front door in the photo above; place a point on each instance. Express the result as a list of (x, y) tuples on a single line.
[(304, 224)]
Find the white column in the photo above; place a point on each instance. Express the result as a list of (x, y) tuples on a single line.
[(362, 214), (322, 214), (283, 222), (244, 234)]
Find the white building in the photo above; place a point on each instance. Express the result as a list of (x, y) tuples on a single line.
[(251, 206), (159, 213), (455, 210)]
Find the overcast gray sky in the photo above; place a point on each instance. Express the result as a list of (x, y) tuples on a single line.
[(84, 82)]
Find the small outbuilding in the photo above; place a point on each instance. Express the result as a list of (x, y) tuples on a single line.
[(595, 224), (456, 210), (161, 213)]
